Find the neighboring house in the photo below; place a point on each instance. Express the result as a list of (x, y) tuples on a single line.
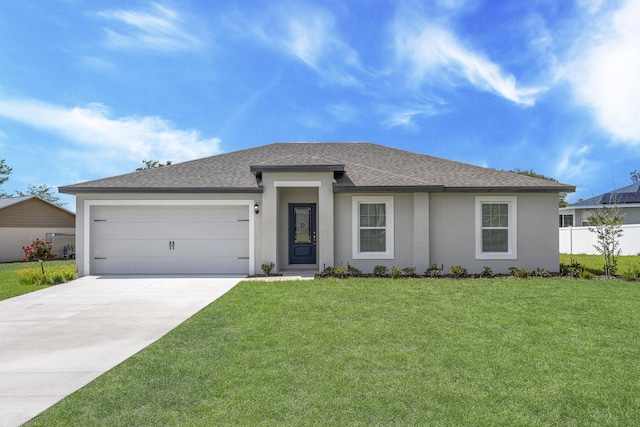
[(23, 219), (575, 237), (305, 206), (627, 199)]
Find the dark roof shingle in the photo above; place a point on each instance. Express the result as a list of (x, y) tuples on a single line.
[(365, 166)]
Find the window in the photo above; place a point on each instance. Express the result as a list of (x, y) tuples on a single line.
[(566, 220), (372, 227), (496, 227)]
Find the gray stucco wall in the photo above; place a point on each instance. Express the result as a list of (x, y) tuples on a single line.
[(452, 233), (439, 228)]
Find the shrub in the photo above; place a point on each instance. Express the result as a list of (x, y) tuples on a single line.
[(629, 275), (380, 271), (513, 271), (458, 271), (352, 271), (574, 269), (396, 273), (35, 277), (267, 267), (434, 271), (487, 272), (337, 272), (523, 273), (38, 250), (586, 275), (541, 272), (409, 272)]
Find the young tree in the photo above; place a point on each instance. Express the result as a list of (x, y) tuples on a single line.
[(43, 192), (635, 176), (150, 164), (5, 171), (606, 224)]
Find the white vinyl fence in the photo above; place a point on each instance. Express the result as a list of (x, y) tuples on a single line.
[(579, 240)]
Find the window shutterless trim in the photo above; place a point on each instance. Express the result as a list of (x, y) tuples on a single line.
[(512, 233), (389, 226)]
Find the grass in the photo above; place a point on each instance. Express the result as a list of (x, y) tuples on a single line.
[(366, 352), (595, 263), (9, 285)]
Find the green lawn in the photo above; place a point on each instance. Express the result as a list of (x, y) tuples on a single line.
[(9, 286), (533, 352), (595, 263)]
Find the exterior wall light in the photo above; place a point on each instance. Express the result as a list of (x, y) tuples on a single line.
[(256, 208)]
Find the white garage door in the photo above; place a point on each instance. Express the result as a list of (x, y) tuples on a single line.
[(169, 240)]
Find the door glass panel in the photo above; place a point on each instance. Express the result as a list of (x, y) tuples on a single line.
[(302, 231)]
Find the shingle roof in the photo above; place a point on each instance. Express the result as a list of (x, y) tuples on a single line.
[(5, 202), (624, 195), (365, 166)]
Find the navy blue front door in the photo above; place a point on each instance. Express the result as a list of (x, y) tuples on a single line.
[(302, 233)]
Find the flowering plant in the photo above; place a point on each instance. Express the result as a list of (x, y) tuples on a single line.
[(38, 250)]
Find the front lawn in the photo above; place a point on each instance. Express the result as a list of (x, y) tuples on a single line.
[(9, 286), (384, 352)]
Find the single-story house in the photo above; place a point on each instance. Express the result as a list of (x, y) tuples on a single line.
[(627, 199), (23, 219), (310, 205)]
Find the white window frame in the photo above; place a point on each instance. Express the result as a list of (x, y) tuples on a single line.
[(573, 220), (512, 202), (389, 227)]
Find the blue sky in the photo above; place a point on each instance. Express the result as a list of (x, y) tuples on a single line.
[(90, 89)]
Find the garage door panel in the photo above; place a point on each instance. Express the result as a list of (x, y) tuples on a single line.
[(169, 231), (136, 239), (171, 265)]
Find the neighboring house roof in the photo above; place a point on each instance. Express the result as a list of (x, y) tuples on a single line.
[(625, 195), (5, 202), (358, 166), (32, 211)]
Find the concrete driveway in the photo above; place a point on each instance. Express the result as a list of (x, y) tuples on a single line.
[(55, 341)]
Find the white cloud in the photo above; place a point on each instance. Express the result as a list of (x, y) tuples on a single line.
[(159, 28), (573, 163), (309, 34), (407, 115), (605, 74), (125, 138), (343, 112), (433, 51)]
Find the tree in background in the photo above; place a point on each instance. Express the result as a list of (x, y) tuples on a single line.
[(43, 192), (606, 224), (151, 164), (533, 174), (635, 176), (5, 171)]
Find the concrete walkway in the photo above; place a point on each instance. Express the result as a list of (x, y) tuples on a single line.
[(55, 341)]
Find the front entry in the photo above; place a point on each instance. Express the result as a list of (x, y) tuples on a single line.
[(302, 233)]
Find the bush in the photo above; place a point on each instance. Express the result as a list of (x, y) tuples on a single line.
[(458, 271), (267, 267), (434, 271), (487, 272), (352, 271), (586, 275), (38, 250), (337, 272), (396, 273), (523, 273), (380, 271), (541, 272), (574, 269), (35, 277), (631, 274), (409, 272)]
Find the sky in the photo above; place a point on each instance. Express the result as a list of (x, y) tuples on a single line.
[(90, 89)]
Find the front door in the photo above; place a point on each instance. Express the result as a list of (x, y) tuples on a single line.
[(302, 233)]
